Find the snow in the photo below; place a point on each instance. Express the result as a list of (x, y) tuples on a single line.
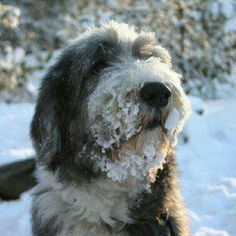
[(208, 169), (118, 118), (14, 128), (15, 217), (172, 119), (134, 165), (207, 166)]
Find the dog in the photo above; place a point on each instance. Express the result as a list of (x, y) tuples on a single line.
[(104, 130)]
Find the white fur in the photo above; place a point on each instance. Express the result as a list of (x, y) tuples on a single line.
[(83, 210)]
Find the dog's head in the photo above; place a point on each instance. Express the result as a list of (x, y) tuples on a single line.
[(112, 101)]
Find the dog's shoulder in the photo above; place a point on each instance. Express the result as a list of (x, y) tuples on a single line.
[(160, 211)]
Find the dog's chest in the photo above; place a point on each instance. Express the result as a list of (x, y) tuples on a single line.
[(103, 202)]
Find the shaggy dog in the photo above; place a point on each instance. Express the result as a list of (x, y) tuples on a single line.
[(104, 129)]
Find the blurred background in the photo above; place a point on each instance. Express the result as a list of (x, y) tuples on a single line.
[(201, 38)]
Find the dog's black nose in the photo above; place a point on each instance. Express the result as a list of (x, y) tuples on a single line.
[(155, 94)]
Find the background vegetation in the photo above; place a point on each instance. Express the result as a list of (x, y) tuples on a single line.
[(199, 34)]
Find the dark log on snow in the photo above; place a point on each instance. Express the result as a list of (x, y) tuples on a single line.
[(16, 178)]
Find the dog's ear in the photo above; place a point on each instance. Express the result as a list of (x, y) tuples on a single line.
[(45, 130), (59, 104), (147, 43), (163, 54)]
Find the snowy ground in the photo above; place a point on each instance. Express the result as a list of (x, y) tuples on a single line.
[(207, 164), (14, 129), (208, 169)]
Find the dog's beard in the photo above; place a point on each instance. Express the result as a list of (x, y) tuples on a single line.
[(140, 151), (117, 121), (131, 139)]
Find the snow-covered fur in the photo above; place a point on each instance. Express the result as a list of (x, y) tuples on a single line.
[(105, 157)]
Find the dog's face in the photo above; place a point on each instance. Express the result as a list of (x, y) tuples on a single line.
[(106, 103)]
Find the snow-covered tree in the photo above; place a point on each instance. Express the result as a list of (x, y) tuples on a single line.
[(15, 43), (194, 31)]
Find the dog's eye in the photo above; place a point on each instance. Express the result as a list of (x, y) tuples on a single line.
[(146, 55), (98, 66)]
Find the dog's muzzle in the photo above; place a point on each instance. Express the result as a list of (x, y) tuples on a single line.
[(155, 94)]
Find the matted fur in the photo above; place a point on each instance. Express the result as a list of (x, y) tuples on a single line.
[(102, 168)]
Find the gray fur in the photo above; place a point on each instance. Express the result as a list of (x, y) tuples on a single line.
[(70, 131)]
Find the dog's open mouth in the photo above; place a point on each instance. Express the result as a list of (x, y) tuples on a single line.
[(167, 120), (158, 121)]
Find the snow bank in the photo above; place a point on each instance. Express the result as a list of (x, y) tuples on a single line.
[(15, 217), (208, 169), (15, 143)]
